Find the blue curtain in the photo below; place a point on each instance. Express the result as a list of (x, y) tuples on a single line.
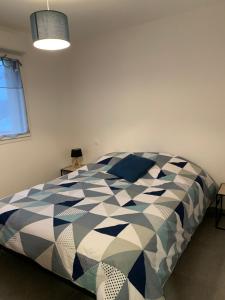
[(13, 116)]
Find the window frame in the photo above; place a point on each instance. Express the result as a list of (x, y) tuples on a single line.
[(27, 135)]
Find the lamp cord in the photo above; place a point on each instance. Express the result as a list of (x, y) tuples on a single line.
[(48, 7)]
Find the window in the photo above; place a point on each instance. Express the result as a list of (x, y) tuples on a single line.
[(13, 114)]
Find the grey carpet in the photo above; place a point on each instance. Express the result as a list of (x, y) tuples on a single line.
[(199, 274)]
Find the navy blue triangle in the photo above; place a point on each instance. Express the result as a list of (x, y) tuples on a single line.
[(161, 174), (180, 211), (77, 268), (130, 203), (114, 188), (105, 161), (70, 203), (156, 193), (181, 164), (4, 217), (69, 184), (113, 230), (57, 222), (199, 180), (137, 275)]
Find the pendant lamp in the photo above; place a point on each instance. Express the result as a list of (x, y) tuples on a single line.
[(50, 29)]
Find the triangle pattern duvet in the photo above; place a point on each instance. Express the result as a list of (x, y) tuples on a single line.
[(117, 239)]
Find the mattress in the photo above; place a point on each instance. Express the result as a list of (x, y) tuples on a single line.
[(117, 239)]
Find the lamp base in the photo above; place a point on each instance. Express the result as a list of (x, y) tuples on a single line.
[(76, 162)]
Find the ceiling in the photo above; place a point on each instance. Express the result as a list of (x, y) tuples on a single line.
[(89, 17)]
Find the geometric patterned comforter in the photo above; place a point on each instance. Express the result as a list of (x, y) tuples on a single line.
[(117, 239)]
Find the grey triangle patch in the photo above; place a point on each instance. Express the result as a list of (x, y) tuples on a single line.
[(57, 265), (33, 246)]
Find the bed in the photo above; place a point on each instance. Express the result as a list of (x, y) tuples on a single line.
[(117, 239)]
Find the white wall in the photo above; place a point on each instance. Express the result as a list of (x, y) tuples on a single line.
[(155, 87), (47, 89)]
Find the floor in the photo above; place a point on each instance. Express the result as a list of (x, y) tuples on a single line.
[(200, 273)]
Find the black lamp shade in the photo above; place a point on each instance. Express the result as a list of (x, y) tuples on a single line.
[(76, 152), (50, 30)]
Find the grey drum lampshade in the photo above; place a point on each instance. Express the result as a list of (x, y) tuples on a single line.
[(50, 30)]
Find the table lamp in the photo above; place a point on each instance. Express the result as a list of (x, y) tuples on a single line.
[(76, 155)]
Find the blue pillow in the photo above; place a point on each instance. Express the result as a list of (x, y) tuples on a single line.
[(131, 168)]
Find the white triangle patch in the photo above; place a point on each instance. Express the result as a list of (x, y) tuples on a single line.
[(15, 244), (104, 190), (47, 211), (130, 235), (42, 228), (19, 196)]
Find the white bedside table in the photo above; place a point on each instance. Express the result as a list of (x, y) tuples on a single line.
[(69, 169)]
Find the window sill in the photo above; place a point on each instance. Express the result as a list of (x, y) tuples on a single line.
[(20, 138)]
